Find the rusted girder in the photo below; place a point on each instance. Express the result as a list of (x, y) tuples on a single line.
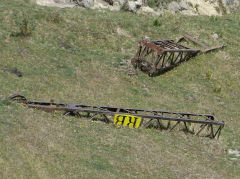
[(157, 56), (162, 120)]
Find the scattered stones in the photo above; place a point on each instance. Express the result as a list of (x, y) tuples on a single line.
[(13, 71)]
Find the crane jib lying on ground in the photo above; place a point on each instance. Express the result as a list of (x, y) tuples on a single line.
[(198, 124)]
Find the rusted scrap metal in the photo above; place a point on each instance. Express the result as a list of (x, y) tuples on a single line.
[(157, 56), (204, 124), (13, 71)]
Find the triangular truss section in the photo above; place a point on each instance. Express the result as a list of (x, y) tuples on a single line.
[(197, 124)]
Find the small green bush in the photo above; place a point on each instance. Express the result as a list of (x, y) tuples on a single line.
[(157, 23), (209, 75), (25, 24)]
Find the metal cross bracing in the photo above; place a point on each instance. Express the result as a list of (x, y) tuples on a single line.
[(157, 56), (198, 124)]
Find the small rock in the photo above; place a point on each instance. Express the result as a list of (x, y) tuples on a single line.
[(88, 3), (215, 36), (174, 7), (115, 7), (132, 6), (146, 38), (147, 9), (234, 152), (184, 6), (122, 63), (100, 4)]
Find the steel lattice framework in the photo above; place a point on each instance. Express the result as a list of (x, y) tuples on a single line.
[(198, 124), (157, 56)]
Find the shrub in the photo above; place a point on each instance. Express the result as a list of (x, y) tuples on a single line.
[(25, 24), (157, 23)]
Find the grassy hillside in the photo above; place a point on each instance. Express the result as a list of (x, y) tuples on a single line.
[(75, 55)]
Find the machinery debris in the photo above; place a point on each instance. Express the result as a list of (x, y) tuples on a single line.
[(13, 71), (158, 56), (198, 124)]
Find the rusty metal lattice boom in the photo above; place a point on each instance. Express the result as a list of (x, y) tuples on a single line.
[(162, 120)]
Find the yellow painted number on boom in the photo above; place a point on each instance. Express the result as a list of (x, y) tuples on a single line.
[(127, 120)]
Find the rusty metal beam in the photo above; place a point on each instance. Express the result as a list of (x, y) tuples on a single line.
[(147, 115), (188, 37)]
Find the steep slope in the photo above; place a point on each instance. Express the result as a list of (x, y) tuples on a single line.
[(75, 55)]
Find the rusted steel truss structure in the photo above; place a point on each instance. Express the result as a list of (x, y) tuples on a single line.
[(157, 56), (198, 124)]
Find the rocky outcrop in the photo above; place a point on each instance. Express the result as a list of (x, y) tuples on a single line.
[(188, 7)]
